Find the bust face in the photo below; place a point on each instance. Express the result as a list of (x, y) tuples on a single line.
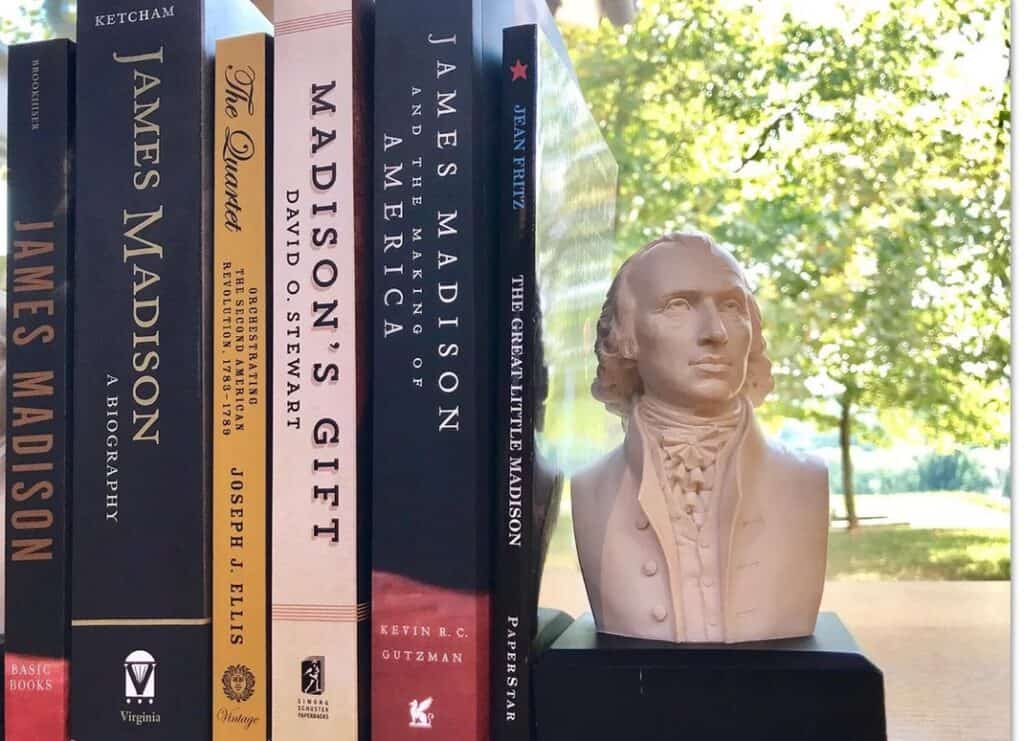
[(692, 327)]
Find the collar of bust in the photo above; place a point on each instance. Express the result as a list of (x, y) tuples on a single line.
[(640, 431), (661, 417)]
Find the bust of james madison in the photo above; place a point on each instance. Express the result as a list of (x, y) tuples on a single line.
[(697, 528)]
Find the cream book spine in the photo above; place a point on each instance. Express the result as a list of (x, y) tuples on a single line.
[(319, 583)]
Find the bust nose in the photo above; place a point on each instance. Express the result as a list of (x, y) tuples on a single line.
[(712, 328)]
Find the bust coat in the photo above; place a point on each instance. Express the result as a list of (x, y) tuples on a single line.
[(771, 544)]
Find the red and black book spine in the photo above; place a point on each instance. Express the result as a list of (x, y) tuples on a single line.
[(437, 92), (142, 345), (515, 568), (433, 377), (37, 614)]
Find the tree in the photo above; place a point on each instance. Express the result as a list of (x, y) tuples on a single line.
[(856, 167), (26, 22)]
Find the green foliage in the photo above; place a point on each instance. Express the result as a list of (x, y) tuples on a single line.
[(24, 21), (904, 554), (859, 171), (955, 471), (875, 481)]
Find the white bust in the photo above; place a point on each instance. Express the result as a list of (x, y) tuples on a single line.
[(697, 528)]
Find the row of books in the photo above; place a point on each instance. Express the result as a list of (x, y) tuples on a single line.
[(297, 326)]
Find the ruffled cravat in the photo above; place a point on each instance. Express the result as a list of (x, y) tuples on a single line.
[(689, 449)]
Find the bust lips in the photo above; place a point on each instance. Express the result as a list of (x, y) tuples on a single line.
[(711, 364)]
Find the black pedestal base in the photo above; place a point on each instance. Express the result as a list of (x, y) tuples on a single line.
[(592, 687), (3, 645)]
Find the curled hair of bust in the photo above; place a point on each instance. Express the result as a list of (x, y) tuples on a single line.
[(617, 384)]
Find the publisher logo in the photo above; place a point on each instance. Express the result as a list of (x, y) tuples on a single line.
[(313, 675), (238, 682), (418, 715), (139, 677)]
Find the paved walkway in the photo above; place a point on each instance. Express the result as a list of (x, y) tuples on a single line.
[(944, 648), (933, 510)]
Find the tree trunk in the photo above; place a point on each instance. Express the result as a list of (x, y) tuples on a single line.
[(844, 443)]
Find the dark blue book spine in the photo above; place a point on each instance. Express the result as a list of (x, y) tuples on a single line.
[(40, 213), (514, 564), (141, 466)]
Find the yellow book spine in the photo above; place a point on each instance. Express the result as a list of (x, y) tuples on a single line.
[(240, 365)]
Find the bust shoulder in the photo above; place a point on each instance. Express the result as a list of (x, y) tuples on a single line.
[(795, 482), (808, 474), (602, 477), (593, 492)]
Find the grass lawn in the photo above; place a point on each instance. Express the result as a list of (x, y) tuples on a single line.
[(902, 553), (969, 547), (1000, 504)]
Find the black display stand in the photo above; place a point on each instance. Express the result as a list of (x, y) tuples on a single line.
[(3, 645), (593, 687)]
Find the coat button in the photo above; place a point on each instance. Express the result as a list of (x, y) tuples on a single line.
[(650, 568), (659, 613), (642, 523)]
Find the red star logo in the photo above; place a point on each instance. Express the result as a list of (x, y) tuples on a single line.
[(518, 71)]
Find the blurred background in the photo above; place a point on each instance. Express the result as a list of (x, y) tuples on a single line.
[(854, 155)]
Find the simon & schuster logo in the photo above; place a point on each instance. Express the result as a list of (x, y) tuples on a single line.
[(419, 717), (313, 675), (312, 704)]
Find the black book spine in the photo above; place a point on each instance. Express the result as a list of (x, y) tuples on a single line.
[(40, 125), (514, 567), (141, 616), (141, 431)]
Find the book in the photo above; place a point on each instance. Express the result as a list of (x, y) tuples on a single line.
[(241, 218), (141, 359), (557, 214), (38, 364), (437, 99), (320, 422)]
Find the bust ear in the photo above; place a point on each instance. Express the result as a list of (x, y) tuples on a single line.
[(629, 349)]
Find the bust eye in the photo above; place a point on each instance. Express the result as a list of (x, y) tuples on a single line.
[(731, 304), (677, 304)]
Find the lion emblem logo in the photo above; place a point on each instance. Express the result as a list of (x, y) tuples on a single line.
[(238, 682)]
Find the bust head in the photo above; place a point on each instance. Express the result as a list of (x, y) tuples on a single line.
[(680, 324), (695, 489)]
